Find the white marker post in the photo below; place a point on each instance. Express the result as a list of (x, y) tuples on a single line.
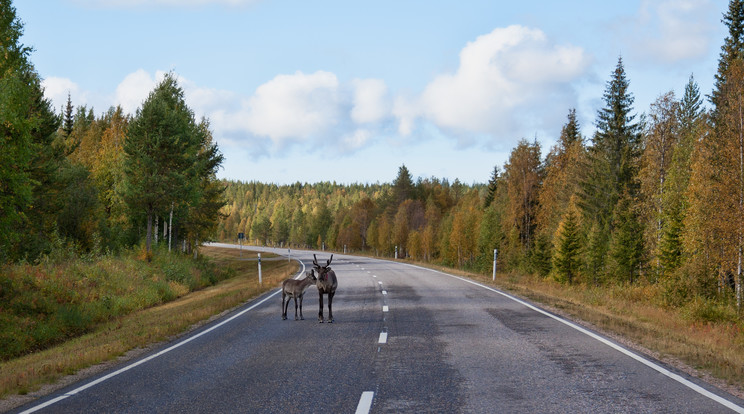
[(289, 255), (495, 253), (260, 282)]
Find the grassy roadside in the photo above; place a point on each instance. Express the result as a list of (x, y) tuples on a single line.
[(111, 339)]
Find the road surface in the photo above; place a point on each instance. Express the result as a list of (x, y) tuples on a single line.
[(405, 339)]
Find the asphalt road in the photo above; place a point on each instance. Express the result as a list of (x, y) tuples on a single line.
[(405, 339)]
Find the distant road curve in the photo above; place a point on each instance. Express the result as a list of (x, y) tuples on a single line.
[(405, 339)]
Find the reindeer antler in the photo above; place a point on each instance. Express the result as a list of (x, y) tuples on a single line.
[(329, 261)]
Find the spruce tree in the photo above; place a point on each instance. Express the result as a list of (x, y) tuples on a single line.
[(68, 117), (492, 187), (613, 164), (402, 186), (567, 255), (161, 150)]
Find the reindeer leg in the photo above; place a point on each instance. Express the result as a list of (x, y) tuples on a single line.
[(330, 310), (295, 300), (320, 313), (284, 308), (302, 318)]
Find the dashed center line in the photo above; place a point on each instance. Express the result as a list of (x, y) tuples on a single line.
[(384, 292), (365, 402), (385, 308), (383, 338)]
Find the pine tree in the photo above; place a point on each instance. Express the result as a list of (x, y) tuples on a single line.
[(492, 187), (68, 117), (567, 255), (402, 186), (613, 163), (161, 154), (16, 184)]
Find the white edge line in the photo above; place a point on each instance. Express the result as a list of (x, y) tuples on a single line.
[(153, 356), (644, 361), (365, 402)]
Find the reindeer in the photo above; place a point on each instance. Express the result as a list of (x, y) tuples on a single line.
[(326, 283), (293, 288)]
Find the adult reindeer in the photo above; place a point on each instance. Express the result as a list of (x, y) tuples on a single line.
[(293, 288), (326, 283)]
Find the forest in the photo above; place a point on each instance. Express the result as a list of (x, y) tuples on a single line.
[(652, 198), (85, 184)]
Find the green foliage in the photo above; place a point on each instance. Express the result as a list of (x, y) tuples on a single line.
[(64, 297), (567, 258)]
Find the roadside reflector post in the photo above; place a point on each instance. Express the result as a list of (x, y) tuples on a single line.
[(260, 282), (495, 253)]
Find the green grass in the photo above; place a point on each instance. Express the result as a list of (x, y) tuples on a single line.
[(45, 304), (116, 304)]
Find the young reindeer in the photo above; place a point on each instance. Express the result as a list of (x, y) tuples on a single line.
[(293, 288), (326, 283)]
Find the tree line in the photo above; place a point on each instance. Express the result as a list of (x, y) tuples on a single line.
[(656, 198), (98, 183)]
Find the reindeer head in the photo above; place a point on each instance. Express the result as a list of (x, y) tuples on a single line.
[(310, 274), (322, 270)]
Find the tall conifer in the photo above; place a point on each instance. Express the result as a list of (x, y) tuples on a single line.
[(613, 163)]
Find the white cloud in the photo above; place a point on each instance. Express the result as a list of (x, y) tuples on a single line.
[(356, 140), (509, 82), (135, 88), (669, 31), (370, 101), (292, 107), (56, 89)]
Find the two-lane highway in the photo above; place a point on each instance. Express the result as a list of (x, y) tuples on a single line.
[(405, 339)]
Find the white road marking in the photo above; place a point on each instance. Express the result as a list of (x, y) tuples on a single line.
[(379, 283), (702, 391), (365, 402), (385, 308), (383, 338), (384, 292), (153, 356)]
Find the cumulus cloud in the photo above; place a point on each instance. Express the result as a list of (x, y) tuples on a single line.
[(292, 107), (57, 89), (506, 82), (510, 83), (134, 89), (669, 31), (370, 101)]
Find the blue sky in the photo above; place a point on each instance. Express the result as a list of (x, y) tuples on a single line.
[(348, 91)]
